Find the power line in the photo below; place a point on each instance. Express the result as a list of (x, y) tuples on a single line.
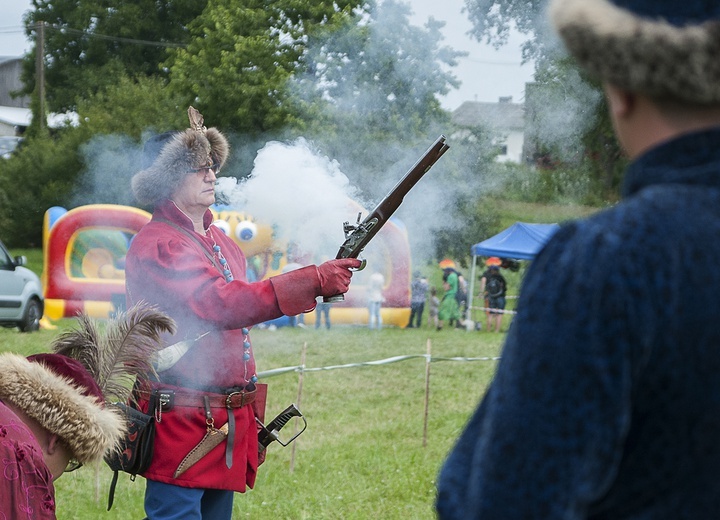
[(12, 29), (99, 36)]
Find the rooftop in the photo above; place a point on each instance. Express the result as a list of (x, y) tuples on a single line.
[(502, 115)]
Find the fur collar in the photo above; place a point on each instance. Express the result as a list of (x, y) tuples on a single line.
[(84, 424)]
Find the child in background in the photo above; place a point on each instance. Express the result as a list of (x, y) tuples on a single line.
[(434, 307)]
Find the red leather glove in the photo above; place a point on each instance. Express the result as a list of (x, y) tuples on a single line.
[(335, 276)]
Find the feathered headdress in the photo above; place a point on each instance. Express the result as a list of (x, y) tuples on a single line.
[(169, 157), (124, 351), (66, 391)]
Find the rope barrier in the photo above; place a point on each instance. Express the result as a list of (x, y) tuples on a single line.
[(386, 361), (496, 311)]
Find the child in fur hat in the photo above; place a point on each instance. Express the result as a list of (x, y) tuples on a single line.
[(605, 402), (50, 412), (53, 416)]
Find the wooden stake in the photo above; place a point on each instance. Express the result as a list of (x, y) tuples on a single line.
[(427, 391), (299, 399)]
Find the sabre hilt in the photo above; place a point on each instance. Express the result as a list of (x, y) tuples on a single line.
[(269, 433)]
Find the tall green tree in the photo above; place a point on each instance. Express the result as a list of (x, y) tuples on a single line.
[(241, 56), (88, 44)]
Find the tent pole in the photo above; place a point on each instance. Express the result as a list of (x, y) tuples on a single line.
[(469, 325)]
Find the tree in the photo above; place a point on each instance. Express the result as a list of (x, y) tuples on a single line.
[(119, 118), (90, 43), (241, 56), (493, 20), (39, 175), (90, 163), (560, 85), (465, 209), (370, 91)]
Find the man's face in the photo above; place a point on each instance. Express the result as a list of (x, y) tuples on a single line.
[(197, 190)]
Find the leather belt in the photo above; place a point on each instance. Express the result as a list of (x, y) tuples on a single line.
[(190, 398)]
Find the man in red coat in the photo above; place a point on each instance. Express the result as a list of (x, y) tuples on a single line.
[(193, 272)]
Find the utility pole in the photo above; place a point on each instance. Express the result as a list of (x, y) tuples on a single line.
[(40, 73)]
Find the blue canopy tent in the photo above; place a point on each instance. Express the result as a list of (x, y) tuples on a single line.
[(521, 241)]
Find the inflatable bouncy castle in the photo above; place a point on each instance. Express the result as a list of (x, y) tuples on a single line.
[(84, 253)]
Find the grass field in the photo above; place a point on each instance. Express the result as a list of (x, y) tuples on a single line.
[(362, 455)]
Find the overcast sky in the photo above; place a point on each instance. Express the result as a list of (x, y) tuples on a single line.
[(486, 74)]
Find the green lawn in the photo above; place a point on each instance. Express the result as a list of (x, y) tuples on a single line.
[(362, 455)]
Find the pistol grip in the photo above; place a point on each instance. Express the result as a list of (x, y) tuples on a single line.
[(340, 297)]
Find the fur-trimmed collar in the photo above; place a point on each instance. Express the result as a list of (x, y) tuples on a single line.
[(84, 424), (639, 54)]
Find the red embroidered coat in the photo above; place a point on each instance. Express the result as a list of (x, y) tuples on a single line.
[(168, 268), (26, 485)]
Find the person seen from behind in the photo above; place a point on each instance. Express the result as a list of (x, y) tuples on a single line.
[(604, 404), (494, 289), (434, 303), (322, 312), (375, 300), (418, 295)]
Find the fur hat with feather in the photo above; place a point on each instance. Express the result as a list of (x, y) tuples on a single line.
[(171, 156), (660, 48), (66, 391)]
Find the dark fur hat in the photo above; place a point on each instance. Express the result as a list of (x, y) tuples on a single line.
[(661, 48), (173, 155)]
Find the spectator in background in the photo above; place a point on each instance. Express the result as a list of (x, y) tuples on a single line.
[(494, 290), (493, 260), (606, 402), (322, 310), (434, 308), (375, 300), (449, 310), (461, 297), (418, 295)]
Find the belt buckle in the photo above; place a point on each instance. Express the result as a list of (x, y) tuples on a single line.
[(229, 399)]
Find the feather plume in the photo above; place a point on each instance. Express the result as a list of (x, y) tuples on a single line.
[(197, 122), (124, 352)]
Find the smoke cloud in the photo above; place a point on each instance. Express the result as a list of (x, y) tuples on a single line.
[(301, 193)]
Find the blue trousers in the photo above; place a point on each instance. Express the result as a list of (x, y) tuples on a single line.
[(168, 502)]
